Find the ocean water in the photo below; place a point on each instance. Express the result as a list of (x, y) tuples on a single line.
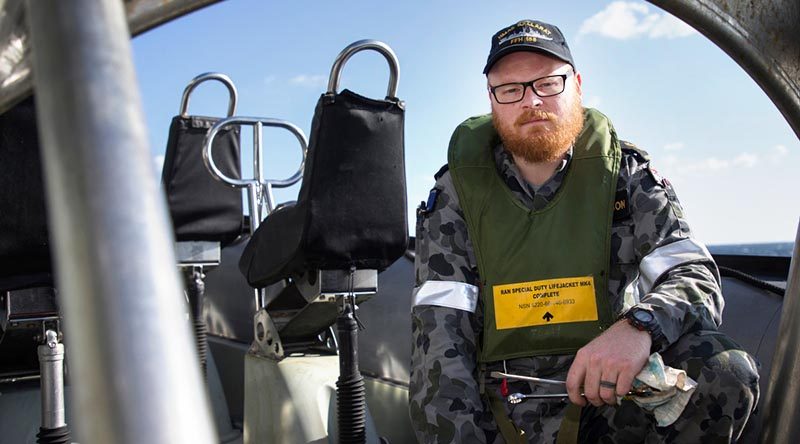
[(763, 249)]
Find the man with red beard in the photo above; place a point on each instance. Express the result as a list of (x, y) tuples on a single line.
[(549, 248)]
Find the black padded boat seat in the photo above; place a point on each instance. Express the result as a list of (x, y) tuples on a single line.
[(24, 242), (26, 279), (351, 210), (202, 208)]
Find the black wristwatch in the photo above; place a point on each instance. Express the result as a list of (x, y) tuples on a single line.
[(643, 320)]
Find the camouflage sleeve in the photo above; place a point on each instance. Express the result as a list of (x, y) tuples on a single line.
[(444, 400), (686, 296), (443, 249)]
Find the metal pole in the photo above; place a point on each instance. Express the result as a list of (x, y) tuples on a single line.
[(254, 190), (258, 161), (134, 364), (51, 362), (782, 404)]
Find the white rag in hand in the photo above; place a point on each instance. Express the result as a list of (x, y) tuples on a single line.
[(674, 388)]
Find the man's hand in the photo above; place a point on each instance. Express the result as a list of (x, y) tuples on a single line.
[(615, 357)]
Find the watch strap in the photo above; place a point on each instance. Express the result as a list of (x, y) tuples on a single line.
[(653, 327)]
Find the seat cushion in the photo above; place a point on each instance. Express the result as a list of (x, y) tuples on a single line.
[(202, 208), (274, 251), (24, 240), (351, 210)]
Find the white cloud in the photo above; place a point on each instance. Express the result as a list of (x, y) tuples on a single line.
[(675, 146), (628, 20), (746, 160), (709, 164), (309, 80), (777, 153), (618, 21), (680, 166)]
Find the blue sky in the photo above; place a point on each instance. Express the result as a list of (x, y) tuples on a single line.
[(733, 159)]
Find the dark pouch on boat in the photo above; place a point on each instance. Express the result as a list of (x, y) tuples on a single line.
[(202, 208), (24, 243), (356, 197), (352, 205)]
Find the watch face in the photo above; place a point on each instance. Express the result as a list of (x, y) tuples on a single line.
[(643, 316)]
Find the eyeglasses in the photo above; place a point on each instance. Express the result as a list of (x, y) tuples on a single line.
[(543, 87)]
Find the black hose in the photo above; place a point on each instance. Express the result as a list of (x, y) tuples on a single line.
[(350, 393), (196, 289), (200, 331), (53, 436), (752, 280)]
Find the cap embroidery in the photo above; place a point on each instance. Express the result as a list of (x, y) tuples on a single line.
[(525, 34), (528, 35)]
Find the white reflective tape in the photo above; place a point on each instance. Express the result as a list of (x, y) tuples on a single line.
[(631, 294), (458, 295), (665, 258)]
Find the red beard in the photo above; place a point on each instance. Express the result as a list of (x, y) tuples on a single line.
[(541, 144)]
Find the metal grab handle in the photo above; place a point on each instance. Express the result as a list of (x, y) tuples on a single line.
[(257, 123), (233, 95), (258, 188), (361, 45)]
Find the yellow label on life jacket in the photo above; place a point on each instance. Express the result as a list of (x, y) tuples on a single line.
[(550, 301)]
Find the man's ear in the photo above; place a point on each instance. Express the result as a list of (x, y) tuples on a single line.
[(578, 83)]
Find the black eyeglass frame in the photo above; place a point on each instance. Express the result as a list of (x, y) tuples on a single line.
[(530, 83)]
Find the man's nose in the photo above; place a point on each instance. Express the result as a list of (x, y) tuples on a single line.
[(530, 99)]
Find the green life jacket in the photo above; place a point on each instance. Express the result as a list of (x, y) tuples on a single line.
[(544, 274)]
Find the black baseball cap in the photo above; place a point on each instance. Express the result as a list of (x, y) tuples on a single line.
[(528, 35)]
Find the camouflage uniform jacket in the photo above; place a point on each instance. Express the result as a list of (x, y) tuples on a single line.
[(655, 263)]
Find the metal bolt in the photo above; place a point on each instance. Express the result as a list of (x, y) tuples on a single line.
[(52, 338)]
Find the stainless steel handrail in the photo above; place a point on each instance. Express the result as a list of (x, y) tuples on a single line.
[(134, 366), (233, 95), (258, 186), (362, 45), (259, 190)]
